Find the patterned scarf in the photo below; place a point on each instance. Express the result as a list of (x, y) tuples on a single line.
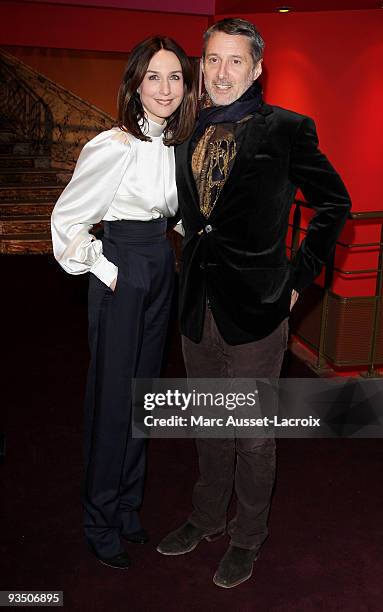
[(215, 146)]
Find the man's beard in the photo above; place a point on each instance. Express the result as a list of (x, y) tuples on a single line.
[(229, 99)]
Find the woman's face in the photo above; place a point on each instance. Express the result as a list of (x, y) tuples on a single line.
[(162, 88)]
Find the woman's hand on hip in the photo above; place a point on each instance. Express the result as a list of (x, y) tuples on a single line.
[(113, 284)]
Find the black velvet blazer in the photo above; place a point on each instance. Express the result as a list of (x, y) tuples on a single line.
[(237, 258)]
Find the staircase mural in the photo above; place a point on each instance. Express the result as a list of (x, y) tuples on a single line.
[(42, 130)]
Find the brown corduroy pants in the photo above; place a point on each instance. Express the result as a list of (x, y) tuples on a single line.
[(247, 465)]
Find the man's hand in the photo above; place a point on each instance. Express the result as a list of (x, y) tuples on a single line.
[(294, 297)]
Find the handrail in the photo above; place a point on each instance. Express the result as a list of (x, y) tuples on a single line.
[(74, 120), (329, 272), (27, 112), (363, 214), (297, 228)]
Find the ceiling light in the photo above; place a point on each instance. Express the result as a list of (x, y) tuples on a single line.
[(284, 9)]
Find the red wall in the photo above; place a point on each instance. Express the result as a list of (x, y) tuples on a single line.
[(195, 7), (90, 28), (329, 65)]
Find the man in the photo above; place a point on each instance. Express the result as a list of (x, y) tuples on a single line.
[(237, 178)]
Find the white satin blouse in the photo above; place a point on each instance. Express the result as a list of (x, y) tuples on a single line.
[(116, 177)]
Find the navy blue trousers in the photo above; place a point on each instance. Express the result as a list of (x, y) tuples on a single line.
[(127, 332)]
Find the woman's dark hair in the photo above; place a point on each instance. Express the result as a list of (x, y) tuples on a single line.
[(131, 113)]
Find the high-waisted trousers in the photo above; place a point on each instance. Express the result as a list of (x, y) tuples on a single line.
[(245, 464), (127, 332)]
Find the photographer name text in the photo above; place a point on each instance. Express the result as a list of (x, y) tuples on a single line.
[(230, 421)]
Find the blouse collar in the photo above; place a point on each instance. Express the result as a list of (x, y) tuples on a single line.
[(153, 129)]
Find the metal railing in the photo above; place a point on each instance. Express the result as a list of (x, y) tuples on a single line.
[(28, 114), (330, 268)]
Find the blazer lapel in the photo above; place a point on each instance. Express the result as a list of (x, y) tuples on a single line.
[(186, 184)]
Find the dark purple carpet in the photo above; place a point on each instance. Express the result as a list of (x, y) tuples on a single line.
[(325, 550)]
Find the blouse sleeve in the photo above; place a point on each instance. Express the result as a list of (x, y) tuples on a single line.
[(85, 200)]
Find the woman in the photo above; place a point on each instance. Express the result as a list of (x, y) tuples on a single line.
[(126, 177)]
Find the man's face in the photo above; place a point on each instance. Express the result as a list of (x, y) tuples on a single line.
[(228, 67)]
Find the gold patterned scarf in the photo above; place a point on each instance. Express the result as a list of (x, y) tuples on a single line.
[(212, 161), (216, 141)]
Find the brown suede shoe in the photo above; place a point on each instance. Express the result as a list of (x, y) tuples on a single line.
[(235, 567), (184, 539)]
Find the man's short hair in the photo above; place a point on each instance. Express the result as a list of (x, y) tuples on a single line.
[(238, 27)]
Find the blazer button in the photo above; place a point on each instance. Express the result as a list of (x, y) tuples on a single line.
[(208, 228)]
